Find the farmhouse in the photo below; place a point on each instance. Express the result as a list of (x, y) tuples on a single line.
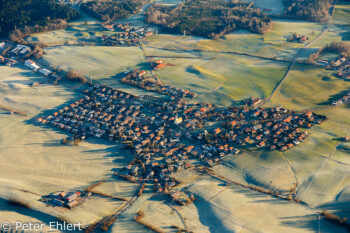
[(297, 38), (32, 65), (67, 200)]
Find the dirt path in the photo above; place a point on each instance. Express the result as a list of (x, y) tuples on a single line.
[(320, 168), (293, 172), (180, 215), (291, 65)]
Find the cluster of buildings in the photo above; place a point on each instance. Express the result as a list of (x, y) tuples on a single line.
[(273, 129), (129, 37), (342, 64), (138, 78), (7, 61), (36, 68), (157, 65), (344, 100), (298, 38), (20, 50), (67, 200), (162, 134)]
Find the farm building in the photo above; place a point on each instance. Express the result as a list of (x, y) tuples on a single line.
[(45, 72), (32, 65)]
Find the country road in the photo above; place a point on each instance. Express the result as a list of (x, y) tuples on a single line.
[(325, 29)]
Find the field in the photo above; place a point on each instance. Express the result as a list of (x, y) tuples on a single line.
[(221, 208), (309, 87), (273, 44), (84, 29), (276, 6), (225, 76), (35, 163), (237, 66)]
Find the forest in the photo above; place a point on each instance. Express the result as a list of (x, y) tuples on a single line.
[(209, 18), (20, 14), (111, 10), (311, 10)]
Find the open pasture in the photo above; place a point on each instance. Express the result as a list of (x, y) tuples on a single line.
[(223, 78), (269, 6), (34, 161), (308, 87), (84, 29), (272, 44), (221, 208)]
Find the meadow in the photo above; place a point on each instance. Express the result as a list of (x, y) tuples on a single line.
[(308, 87), (272, 44), (34, 161)]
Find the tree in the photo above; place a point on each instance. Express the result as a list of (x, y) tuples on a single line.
[(75, 76)]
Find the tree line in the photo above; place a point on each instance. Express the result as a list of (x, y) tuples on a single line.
[(111, 10), (311, 10), (209, 18), (340, 48), (28, 16)]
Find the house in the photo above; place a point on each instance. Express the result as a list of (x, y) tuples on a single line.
[(159, 66), (217, 131), (10, 62), (255, 101), (32, 65), (178, 120), (108, 27), (308, 114), (322, 62), (45, 72), (303, 39)]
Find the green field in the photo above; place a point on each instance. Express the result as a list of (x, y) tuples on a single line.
[(308, 87), (271, 44), (84, 29), (223, 78), (276, 6)]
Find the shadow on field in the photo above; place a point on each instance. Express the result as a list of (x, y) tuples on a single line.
[(208, 217), (304, 222), (334, 97)]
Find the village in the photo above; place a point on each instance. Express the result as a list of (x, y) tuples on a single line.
[(169, 136), (126, 36)]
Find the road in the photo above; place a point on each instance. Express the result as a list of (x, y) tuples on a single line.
[(118, 211), (325, 29)]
